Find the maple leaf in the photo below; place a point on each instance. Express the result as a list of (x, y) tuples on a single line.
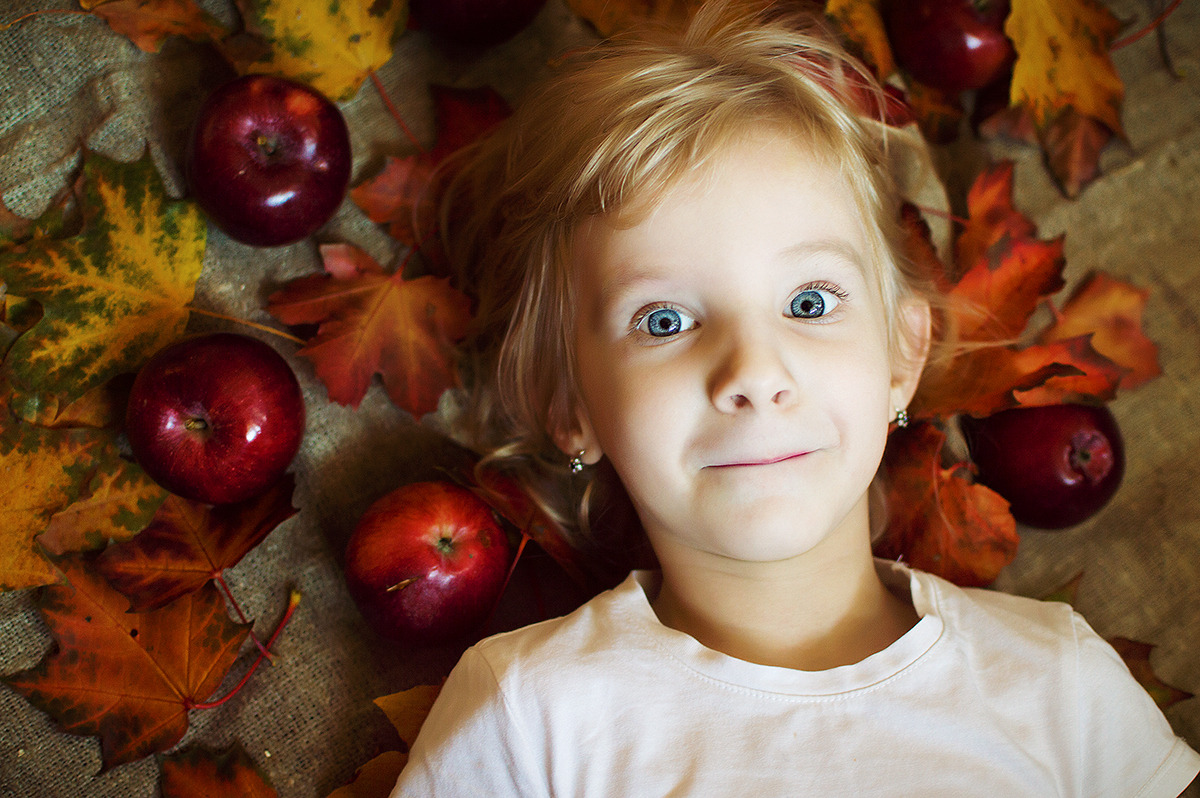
[(376, 779), (861, 26), (996, 297), (188, 543), (199, 773), (127, 678), (41, 472), (408, 709), (1137, 659), (147, 23), (1112, 310), (113, 295), (398, 196), (116, 503), (372, 323), (1065, 77), (939, 519), (505, 496), (332, 46), (987, 380), (992, 217)]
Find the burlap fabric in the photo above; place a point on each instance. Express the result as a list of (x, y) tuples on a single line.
[(308, 720)]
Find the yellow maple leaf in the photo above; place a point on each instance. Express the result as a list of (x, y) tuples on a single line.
[(41, 471), (861, 25), (112, 295), (1063, 60), (332, 45)]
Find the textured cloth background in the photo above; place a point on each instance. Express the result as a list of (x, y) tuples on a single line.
[(308, 721)]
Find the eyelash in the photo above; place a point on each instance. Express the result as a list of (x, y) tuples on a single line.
[(837, 291)]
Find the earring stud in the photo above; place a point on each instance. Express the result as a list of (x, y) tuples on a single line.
[(577, 462), (901, 419)]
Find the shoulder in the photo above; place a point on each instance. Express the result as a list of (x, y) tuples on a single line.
[(572, 645)]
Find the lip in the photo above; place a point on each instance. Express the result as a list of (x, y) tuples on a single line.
[(761, 462)]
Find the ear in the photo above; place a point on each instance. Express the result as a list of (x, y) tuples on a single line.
[(914, 328), (574, 434)]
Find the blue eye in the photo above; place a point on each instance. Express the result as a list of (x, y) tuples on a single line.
[(813, 303), (665, 322)]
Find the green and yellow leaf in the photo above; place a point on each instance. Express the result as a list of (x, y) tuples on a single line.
[(114, 294), (332, 45)]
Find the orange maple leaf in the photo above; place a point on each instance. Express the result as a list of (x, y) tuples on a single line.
[(199, 773), (996, 297), (147, 23), (399, 195), (991, 215), (1112, 310), (127, 678), (939, 519), (372, 323), (987, 380), (188, 543), (1065, 77), (860, 24)]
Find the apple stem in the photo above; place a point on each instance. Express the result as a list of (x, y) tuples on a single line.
[(401, 584), (255, 325), (1133, 37), (387, 101), (219, 578), (44, 11), (293, 601)]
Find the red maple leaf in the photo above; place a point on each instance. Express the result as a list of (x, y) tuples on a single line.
[(188, 544), (373, 323), (398, 196), (127, 678), (939, 519), (200, 773)]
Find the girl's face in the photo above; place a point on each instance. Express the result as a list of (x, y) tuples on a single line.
[(732, 356)]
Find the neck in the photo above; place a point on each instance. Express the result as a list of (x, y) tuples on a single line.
[(818, 611)]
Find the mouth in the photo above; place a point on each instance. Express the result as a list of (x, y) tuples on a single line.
[(761, 462)]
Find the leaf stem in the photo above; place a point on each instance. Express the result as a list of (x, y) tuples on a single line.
[(255, 325), (943, 215), (293, 601), (1133, 37), (43, 12), (394, 112), (525, 538), (219, 578)]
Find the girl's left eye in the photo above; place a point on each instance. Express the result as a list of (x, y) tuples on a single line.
[(813, 303), (664, 322)]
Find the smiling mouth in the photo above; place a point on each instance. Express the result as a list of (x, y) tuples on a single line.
[(766, 462)]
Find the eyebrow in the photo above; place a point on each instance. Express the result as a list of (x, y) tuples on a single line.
[(630, 277)]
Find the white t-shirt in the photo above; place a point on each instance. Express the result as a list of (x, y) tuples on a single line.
[(987, 695)]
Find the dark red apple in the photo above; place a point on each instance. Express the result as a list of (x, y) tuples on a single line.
[(268, 159), (427, 562), (476, 23), (1056, 465), (953, 45), (215, 418)]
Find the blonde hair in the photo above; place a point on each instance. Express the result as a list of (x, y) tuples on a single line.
[(606, 133)]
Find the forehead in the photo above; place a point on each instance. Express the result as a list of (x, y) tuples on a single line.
[(762, 195)]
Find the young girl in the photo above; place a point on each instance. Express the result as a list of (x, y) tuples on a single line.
[(686, 254)]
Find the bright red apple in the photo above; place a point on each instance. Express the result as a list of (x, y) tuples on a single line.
[(1056, 465), (477, 23), (427, 562), (268, 159), (215, 418), (953, 45)]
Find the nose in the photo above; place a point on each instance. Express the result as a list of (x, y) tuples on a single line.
[(751, 372)]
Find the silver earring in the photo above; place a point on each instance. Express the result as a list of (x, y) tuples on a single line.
[(901, 419), (577, 462)]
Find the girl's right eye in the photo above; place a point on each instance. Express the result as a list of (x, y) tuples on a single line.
[(664, 322)]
